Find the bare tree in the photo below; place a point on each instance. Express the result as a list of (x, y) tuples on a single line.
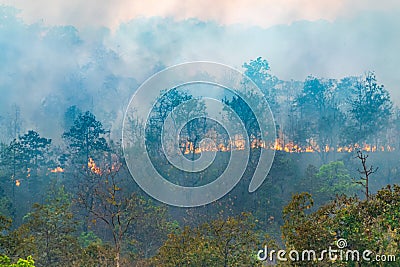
[(365, 172)]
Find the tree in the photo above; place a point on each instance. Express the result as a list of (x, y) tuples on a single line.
[(370, 111), (70, 116), (365, 172), (150, 229), (166, 104), (228, 242), (23, 159), (332, 179), (112, 206), (247, 117), (50, 228), (320, 118), (33, 149), (365, 225), (186, 114), (258, 71), (6, 262), (86, 137)]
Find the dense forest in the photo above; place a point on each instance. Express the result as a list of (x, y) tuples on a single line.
[(75, 203), (67, 197)]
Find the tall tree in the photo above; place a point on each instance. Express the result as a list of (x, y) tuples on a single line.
[(34, 148), (320, 118), (258, 71), (188, 125), (71, 115), (167, 102), (114, 207), (46, 232), (86, 137), (247, 117), (370, 111), (23, 158)]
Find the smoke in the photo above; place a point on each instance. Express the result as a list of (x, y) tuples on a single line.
[(263, 13), (45, 69)]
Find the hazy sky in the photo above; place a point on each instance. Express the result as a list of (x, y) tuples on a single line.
[(325, 38), (264, 13)]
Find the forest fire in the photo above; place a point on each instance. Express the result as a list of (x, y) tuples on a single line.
[(17, 182), (57, 170), (289, 147), (93, 167)]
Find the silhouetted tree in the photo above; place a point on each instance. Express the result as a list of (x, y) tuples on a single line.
[(320, 118), (370, 111), (86, 137), (70, 116), (258, 70), (365, 172)]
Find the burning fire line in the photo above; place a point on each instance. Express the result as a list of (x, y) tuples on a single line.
[(279, 145)]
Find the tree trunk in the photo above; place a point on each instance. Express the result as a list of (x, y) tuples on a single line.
[(117, 257)]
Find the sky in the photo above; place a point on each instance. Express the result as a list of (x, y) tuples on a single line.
[(336, 28), (130, 40), (263, 13)]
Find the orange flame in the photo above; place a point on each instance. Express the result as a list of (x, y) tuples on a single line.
[(17, 182), (279, 144), (57, 170), (93, 167)]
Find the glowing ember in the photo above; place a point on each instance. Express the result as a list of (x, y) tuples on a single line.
[(279, 144), (57, 170), (93, 167), (17, 182)]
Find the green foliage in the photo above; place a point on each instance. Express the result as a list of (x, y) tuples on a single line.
[(96, 255), (86, 137), (33, 147), (168, 101), (366, 225), (319, 116), (371, 109), (150, 228), (88, 238), (6, 262), (220, 242), (6, 206), (5, 224), (331, 180), (258, 70), (28, 151), (49, 229)]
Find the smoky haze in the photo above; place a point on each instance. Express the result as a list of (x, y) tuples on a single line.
[(46, 69)]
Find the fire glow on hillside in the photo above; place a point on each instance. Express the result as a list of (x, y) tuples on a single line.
[(280, 145)]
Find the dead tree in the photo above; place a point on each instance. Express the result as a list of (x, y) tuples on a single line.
[(365, 172)]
